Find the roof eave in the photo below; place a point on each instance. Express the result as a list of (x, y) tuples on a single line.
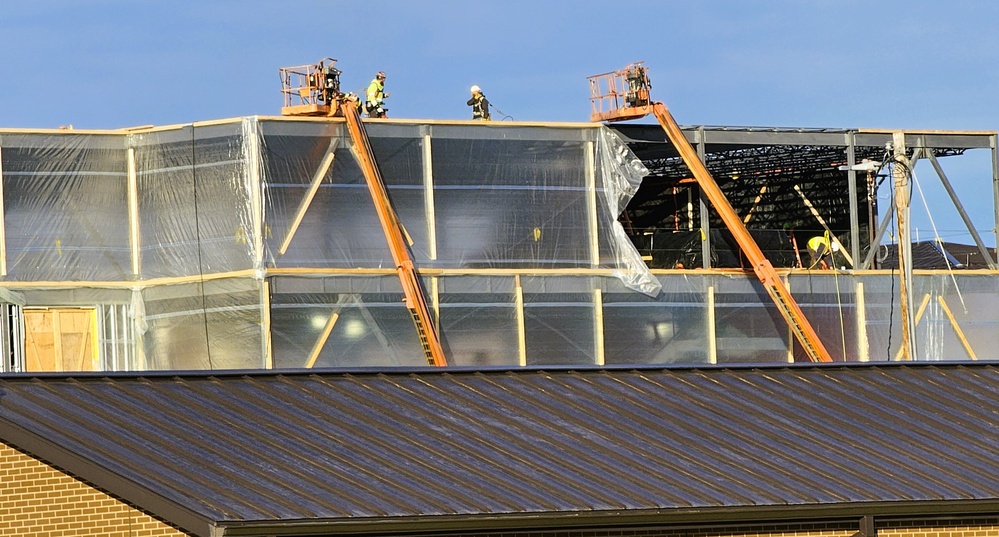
[(699, 517), (105, 480)]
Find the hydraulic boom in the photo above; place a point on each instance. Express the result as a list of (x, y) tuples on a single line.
[(314, 90), (411, 287), (624, 95), (764, 270)]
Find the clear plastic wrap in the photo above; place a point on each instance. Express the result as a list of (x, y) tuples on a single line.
[(194, 201), (621, 173), (65, 207), (341, 321), (258, 246), (468, 196)]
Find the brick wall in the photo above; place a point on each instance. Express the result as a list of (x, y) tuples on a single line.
[(38, 501), (974, 527)]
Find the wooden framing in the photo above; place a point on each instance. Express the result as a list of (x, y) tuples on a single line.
[(321, 340), (591, 203), (822, 222), (712, 327), (957, 328), (428, 197), (133, 214), (265, 325), (598, 326), (862, 350), (431, 275), (317, 179), (521, 326)]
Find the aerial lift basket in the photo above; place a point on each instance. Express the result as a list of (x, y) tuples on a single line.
[(621, 95), (310, 90)]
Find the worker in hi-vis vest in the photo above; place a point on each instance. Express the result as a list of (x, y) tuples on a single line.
[(820, 250), (375, 97)]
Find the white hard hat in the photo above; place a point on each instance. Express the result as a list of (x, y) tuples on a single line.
[(476, 89)]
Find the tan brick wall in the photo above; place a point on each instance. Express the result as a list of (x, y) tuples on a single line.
[(981, 527), (37, 500)]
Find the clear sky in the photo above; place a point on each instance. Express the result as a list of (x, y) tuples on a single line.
[(912, 64)]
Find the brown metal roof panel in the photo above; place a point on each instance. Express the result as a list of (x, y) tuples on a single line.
[(339, 446)]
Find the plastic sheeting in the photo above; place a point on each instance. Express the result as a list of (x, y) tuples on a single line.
[(469, 197), (254, 244)]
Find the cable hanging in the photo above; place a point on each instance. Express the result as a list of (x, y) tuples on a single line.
[(197, 231)]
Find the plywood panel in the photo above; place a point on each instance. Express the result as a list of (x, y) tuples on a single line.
[(59, 339)]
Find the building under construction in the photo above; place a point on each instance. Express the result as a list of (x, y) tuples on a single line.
[(257, 242)]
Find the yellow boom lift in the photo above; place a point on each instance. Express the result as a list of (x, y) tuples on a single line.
[(314, 90), (623, 95)]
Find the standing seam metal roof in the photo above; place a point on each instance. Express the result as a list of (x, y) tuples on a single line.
[(245, 449)]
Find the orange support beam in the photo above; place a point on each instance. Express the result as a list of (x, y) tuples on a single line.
[(775, 287), (412, 289)]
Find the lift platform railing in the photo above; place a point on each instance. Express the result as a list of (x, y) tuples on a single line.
[(621, 95)]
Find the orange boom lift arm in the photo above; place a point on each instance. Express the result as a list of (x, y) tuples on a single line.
[(623, 95), (314, 90)]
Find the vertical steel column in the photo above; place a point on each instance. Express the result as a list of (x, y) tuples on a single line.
[(901, 173), (995, 191), (851, 161), (705, 221)]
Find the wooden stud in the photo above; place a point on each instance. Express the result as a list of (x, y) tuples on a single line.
[(712, 329), (756, 203), (521, 325), (919, 315), (265, 324), (133, 212), (428, 197), (863, 351), (591, 203), (957, 328), (822, 222), (311, 193), (598, 326), (321, 342)]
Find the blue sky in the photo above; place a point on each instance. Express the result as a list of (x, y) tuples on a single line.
[(917, 64)]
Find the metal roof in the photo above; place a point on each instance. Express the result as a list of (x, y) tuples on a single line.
[(309, 452)]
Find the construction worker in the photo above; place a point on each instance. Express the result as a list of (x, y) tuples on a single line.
[(820, 250), (479, 104), (376, 96)]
